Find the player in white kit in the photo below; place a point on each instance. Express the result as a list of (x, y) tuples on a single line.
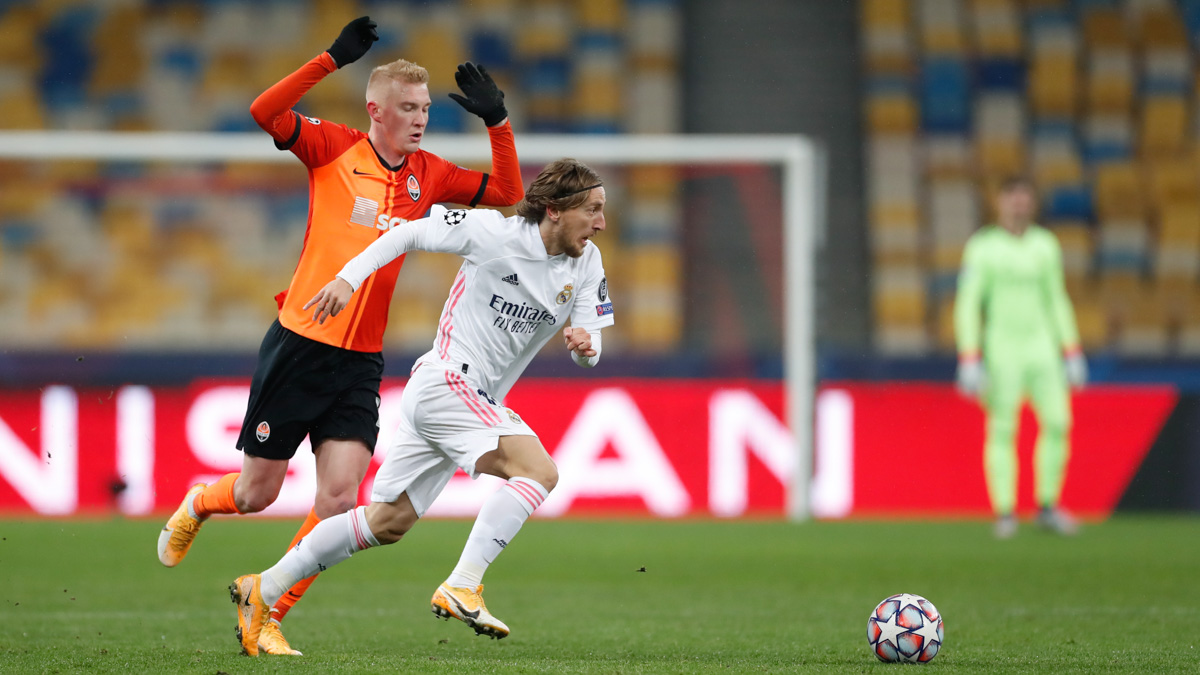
[(522, 279)]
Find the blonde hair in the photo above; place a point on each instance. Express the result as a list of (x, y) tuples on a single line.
[(396, 71)]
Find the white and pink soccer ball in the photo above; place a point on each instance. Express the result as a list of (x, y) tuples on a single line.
[(905, 627)]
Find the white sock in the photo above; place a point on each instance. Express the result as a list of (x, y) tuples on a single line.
[(330, 542), (498, 522)]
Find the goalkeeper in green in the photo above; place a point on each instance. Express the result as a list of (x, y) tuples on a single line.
[(1011, 291)]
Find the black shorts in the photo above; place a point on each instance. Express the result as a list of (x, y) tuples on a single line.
[(304, 387)]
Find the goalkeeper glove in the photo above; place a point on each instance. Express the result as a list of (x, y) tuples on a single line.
[(972, 380), (1077, 369), (483, 97), (355, 40)]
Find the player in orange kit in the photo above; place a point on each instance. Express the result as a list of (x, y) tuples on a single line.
[(322, 380)]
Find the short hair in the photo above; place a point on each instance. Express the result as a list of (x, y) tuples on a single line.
[(399, 70), (1016, 182), (564, 184)]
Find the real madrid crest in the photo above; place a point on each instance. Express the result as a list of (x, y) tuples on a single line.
[(564, 296), (516, 419)]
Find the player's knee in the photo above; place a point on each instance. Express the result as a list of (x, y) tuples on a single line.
[(1054, 426), (392, 528), (546, 474), (328, 504)]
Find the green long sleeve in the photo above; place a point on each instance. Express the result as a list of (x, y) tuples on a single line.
[(1060, 302), (968, 303)]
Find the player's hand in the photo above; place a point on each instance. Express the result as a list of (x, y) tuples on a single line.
[(483, 97), (971, 380), (1077, 369), (330, 300), (355, 40), (579, 341)]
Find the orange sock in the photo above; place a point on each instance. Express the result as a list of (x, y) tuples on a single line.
[(284, 604), (216, 498)]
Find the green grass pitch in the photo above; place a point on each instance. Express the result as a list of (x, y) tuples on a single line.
[(727, 597)]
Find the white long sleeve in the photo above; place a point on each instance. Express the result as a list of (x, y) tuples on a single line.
[(394, 243), (589, 361)]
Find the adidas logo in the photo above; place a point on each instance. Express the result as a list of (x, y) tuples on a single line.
[(511, 279)]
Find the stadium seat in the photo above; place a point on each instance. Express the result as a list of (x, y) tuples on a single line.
[(948, 156), (1110, 81), (1177, 254), (1105, 28), (896, 114), (1118, 191), (997, 29), (1163, 124), (1174, 180), (1075, 240), (899, 303), (1144, 327), (1053, 86)]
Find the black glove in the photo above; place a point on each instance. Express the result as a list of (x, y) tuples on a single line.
[(483, 97), (355, 40)]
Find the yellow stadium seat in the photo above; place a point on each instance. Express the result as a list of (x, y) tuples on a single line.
[(1001, 158), (1175, 180), (19, 30), (439, 49), (597, 96), (1091, 321), (1057, 171), (1110, 82), (1105, 28), (1144, 326), (654, 265), (890, 13), (22, 110), (899, 295), (1162, 28), (943, 40), (1054, 85), (654, 180), (1177, 255), (1164, 123), (606, 15), (896, 114), (1118, 191), (1075, 240)]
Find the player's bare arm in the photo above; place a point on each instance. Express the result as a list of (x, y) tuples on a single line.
[(330, 300)]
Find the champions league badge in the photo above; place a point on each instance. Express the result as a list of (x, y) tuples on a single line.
[(564, 296), (603, 289), (454, 216)]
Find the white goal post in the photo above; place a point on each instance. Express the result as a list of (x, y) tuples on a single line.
[(803, 188)]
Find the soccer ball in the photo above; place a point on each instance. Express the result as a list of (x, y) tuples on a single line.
[(905, 627)]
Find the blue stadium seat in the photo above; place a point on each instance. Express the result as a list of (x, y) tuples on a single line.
[(491, 49), (945, 96), (1068, 203), (1001, 74)]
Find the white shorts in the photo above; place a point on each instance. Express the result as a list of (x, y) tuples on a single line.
[(446, 423)]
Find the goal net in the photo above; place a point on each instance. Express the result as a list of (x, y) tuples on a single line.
[(156, 247)]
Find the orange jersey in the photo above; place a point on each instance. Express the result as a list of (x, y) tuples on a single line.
[(354, 197)]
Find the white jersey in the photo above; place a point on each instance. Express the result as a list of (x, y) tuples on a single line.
[(509, 297)]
